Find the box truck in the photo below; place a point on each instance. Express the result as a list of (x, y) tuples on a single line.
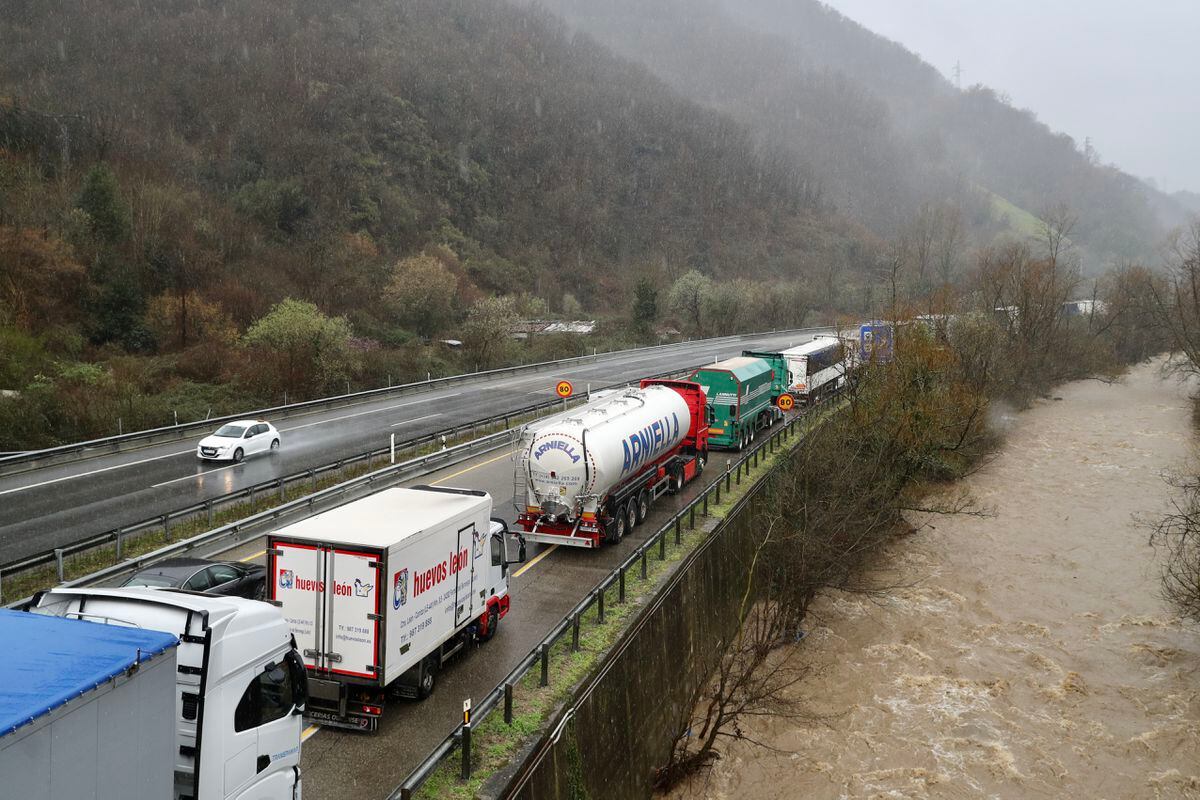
[(590, 475), (381, 591), (739, 399), (227, 723)]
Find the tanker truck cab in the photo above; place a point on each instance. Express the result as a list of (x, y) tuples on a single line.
[(240, 688), (381, 592)]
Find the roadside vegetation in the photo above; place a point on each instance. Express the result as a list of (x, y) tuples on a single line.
[(912, 426)]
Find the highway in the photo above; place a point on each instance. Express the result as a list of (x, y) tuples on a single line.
[(57, 505), (549, 585)]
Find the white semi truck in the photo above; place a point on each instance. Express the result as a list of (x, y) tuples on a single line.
[(380, 592), (222, 720)]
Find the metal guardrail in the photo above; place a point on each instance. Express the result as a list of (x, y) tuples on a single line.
[(540, 655), (255, 525), (109, 445), (278, 486)]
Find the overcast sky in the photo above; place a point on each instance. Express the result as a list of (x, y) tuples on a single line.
[(1124, 72)]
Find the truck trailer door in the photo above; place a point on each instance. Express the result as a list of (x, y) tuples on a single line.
[(352, 612), (469, 544), (295, 581)]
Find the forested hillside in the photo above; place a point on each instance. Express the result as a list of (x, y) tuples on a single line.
[(171, 171), (880, 130)]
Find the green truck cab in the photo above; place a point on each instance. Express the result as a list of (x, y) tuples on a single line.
[(739, 391)]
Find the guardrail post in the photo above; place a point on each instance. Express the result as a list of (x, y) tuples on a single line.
[(719, 482), (692, 519), (544, 654), (738, 476), (662, 548), (208, 507), (728, 478), (706, 502), (600, 608), (312, 481), (58, 561), (677, 531), (575, 634), (166, 523), (643, 564), (120, 540), (466, 751), (282, 492), (621, 584), (508, 704)]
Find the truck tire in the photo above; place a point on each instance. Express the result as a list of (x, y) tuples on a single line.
[(428, 678), (493, 622), (631, 514), (701, 460), (615, 528), (643, 506)]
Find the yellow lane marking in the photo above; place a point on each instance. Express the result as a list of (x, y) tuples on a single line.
[(540, 556), (308, 732), (252, 557), (468, 469)]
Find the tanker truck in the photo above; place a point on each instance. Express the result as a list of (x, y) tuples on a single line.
[(591, 475)]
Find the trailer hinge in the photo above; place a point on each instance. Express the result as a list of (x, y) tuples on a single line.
[(184, 669), (313, 654), (334, 657), (273, 551), (191, 638), (375, 617), (375, 564), (187, 751)]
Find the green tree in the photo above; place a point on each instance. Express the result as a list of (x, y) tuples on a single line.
[(688, 299), (421, 292), (299, 349), (486, 332), (101, 199), (645, 305)]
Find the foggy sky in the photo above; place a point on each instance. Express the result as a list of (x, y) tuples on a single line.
[(1125, 73)]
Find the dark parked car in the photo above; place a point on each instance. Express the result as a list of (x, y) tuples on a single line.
[(202, 575)]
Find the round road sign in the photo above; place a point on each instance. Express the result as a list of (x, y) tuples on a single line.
[(564, 389), (786, 402)]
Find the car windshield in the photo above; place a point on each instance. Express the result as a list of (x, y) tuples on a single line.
[(231, 431), (153, 581)]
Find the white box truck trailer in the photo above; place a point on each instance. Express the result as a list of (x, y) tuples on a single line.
[(380, 592), (85, 710), (234, 709)]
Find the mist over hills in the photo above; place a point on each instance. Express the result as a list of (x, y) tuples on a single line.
[(882, 131)]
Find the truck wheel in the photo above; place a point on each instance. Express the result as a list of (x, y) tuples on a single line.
[(643, 506), (425, 685), (617, 527), (701, 460), (631, 514), (493, 622)]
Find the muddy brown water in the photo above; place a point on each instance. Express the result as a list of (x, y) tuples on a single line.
[(1029, 655)]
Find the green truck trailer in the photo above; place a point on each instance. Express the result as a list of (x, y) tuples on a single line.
[(739, 392)]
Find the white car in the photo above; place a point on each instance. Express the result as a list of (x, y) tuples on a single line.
[(236, 440)]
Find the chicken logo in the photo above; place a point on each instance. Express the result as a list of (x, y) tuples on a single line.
[(286, 578), (362, 589), (400, 589)]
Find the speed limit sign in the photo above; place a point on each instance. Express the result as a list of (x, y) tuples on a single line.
[(564, 389), (786, 402)]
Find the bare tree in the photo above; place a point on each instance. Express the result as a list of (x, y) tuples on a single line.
[(1177, 534)]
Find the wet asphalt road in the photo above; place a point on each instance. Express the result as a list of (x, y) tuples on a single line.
[(58, 505), (552, 583)]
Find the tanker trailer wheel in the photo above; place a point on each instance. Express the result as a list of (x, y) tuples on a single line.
[(615, 530), (631, 514), (701, 460), (643, 506)]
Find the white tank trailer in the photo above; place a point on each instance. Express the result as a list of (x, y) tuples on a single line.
[(591, 474)]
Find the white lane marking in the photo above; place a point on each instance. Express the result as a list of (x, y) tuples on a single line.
[(411, 421), (372, 411), (191, 450), (193, 477)]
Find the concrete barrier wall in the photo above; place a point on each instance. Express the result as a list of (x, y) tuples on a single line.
[(623, 719)]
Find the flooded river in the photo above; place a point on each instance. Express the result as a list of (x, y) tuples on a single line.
[(1029, 655)]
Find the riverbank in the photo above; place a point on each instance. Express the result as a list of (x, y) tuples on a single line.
[(1028, 654)]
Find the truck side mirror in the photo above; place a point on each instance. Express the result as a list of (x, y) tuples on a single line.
[(520, 559)]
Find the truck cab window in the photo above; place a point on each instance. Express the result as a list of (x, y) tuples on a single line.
[(270, 696), (497, 550)]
